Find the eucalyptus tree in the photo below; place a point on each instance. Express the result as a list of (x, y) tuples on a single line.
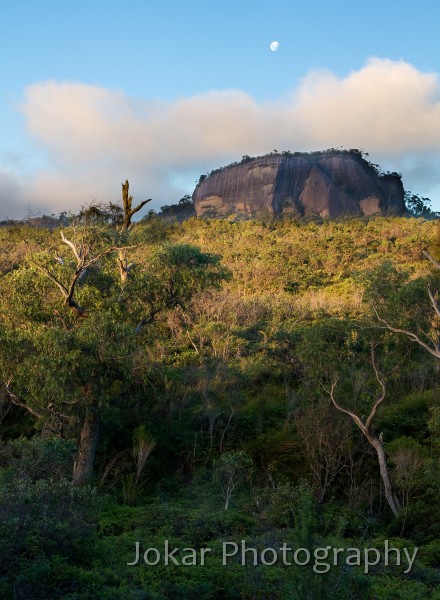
[(69, 337), (340, 357), (365, 424), (425, 329)]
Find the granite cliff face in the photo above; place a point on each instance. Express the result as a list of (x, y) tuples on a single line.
[(325, 184)]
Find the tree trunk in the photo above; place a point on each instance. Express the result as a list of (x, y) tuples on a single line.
[(83, 465), (377, 444), (389, 494), (123, 268)]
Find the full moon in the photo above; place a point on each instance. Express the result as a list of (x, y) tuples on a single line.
[(274, 46)]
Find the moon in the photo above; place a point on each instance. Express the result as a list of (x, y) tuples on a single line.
[(274, 46)]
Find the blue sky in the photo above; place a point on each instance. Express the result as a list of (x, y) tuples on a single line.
[(159, 92)]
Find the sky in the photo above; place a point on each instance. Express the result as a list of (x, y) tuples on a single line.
[(95, 92)]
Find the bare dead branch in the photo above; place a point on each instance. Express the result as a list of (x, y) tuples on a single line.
[(192, 342), (52, 277), (72, 246), (138, 207), (15, 398), (81, 252), (127, 201), (226, 428), (434, 262)]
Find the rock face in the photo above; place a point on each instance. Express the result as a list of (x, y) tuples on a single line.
[(325, 184)]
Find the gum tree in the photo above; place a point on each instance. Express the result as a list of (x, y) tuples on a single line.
[(426, 334), (365, 424), (340, 357), (68, 336)]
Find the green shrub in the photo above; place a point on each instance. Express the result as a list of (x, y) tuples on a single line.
[(43, 524), (36, 458)]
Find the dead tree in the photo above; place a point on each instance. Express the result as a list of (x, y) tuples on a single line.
[(84, 260), (127, 203), (377, 442), (18, 401)]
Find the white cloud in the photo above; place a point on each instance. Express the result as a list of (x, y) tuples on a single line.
[(95, 137), (387, 106)]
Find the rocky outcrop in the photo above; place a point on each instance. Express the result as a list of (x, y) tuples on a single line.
[(325, 184)]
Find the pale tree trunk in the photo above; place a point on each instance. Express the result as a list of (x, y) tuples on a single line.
[(392, 500), (127, 201), (228, 497), (129, 211), (124, 267), (376, 442), (83, 465)]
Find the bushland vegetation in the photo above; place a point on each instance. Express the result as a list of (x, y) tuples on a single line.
[(216, 380)]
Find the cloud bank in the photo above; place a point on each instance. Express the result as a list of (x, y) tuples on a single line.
[(94, 137)]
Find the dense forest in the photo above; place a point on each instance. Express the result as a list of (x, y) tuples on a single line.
[(208, 381)]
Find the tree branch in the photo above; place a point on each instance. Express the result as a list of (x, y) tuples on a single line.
[(434, 302), (52, 277), (412, 336), (146, 321), (381, 397), (72, 246), (138, 207), (351, 414), (127, 201), (83, 262), (434, 262), (434, 350), (20, 402)]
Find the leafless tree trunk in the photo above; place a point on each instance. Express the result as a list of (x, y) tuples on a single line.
[(376, 442), (127, 202), (392, 499)]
